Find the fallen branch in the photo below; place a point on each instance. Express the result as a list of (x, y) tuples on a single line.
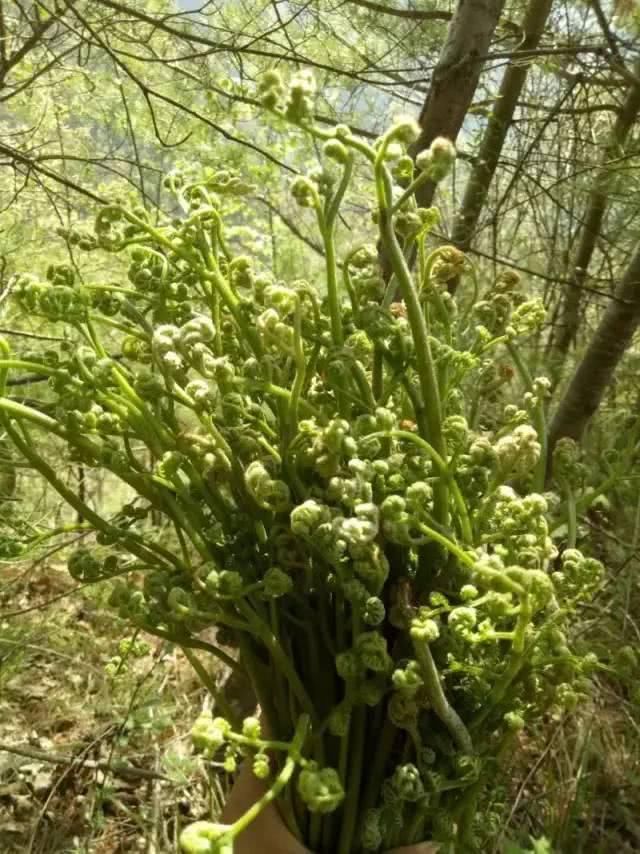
[(118, 769)]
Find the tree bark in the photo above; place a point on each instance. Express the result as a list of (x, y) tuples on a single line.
[(569, 319), (486, 160), (594, 372), (456, 75)]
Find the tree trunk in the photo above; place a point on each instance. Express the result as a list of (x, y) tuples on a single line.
[(486, 160), (608, 345), (453, 84), (569, 320), (455, 78)]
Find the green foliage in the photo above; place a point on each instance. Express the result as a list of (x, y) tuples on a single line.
[(386, 566)]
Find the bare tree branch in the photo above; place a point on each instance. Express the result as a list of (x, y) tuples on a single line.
[(32, 166), (409, 14)]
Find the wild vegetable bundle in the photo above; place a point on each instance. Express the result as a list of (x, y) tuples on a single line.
[(353, 508)]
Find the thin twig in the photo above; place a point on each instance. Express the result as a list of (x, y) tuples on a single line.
[(118, 769)]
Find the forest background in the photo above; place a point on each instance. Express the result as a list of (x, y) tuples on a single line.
[(100, 100)]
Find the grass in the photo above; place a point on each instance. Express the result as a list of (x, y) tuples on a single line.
[(63, 694)]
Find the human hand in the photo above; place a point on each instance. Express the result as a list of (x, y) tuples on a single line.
[(267, 833)]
